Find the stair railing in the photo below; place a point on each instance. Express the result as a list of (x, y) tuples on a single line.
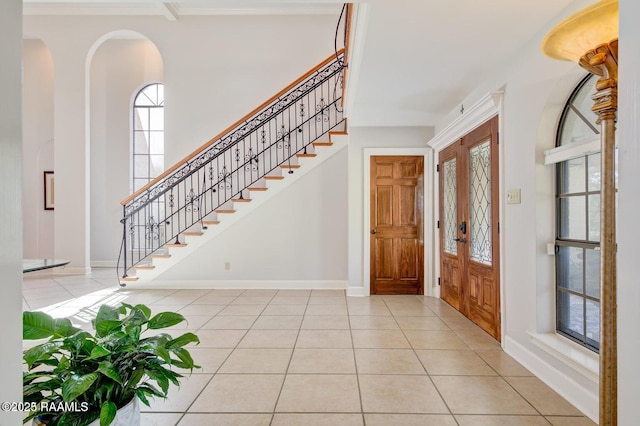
[(209, 179)]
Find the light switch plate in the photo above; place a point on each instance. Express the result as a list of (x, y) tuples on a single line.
[(513, 196)]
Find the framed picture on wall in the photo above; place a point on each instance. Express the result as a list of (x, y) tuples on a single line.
[(49, 193)]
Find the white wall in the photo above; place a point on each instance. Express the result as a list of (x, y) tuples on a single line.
[(119, 69), (11, 206), (209, 85), (629, 211), (371, 137), (535, 90), (37, 148), (297, 238)]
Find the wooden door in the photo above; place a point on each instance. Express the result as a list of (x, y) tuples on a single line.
[(469, 227), (397, 249)]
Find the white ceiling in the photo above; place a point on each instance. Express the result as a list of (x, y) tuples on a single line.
[(419, 58)]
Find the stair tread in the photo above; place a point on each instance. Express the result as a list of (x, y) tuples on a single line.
[(322, 143), (144, 267), (225, 211), (210, 222), (176, 245), (290, 166), (273, 177), (129, 278), (193, 233), (160, 256), (306, 155), (241, 200), (257, 188)]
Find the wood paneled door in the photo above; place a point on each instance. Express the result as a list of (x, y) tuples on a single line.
[(397, 248), (469, 227)]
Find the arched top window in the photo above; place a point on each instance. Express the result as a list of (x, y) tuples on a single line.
[(148, 135), (578, 122), (577, 160)]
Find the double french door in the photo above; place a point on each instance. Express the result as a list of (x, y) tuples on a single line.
[(469, 227)]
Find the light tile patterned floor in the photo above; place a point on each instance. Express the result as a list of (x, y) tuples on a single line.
[(310, 358)]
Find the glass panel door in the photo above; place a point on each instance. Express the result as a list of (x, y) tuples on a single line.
[(480, 202), (450, 207)]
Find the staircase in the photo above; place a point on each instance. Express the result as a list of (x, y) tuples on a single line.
[(234, 173)]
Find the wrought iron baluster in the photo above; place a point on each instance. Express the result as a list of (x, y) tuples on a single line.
[(259, 145)]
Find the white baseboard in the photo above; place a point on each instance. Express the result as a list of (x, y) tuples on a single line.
[(103, 264), (356, 292), (76, 270), (583, 399), (244, 284)]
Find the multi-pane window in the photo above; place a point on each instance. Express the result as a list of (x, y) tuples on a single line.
[(578, 220), (148, 134)]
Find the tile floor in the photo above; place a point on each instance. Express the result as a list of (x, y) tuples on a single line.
[(301, 357)]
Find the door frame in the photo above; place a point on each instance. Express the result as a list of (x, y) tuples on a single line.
[(428, 231), (487, 107)]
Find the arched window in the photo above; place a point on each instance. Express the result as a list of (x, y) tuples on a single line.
[(578, 219), (148, 135)]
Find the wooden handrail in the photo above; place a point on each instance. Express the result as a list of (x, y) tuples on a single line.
[(347, 42), (209, 143)]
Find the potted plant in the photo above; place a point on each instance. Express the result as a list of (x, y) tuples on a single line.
[(79, 378)]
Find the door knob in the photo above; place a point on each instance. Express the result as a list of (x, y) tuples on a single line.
[(462, 240), (373, 231)]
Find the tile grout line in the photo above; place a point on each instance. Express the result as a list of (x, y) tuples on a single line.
[(355, 364), (181, 415), (184, 413), (420, 361), (286, 372)]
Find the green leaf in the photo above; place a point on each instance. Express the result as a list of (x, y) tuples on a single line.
[(77, 340), (160, 378), (135, 378), (161, 339), (38, 353), (142, 397), (185, 357), (108, 314), (63, 365), (134, 331), (108, 370), (105, 327), (183, 340), (161, 352), (65, 328), (76, 385), (37, 387), (37, 325), (145, 309), (137, 316), (149, 389), (164, 320), (107, 413), (98, 352)]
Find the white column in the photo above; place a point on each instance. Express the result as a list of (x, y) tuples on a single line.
[(628, 214), (71, 154), (11, 206)]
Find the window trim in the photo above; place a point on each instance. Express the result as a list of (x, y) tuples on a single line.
[(556, 156), (137, 94)]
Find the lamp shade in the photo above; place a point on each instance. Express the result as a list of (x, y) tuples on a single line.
[(584, 31)]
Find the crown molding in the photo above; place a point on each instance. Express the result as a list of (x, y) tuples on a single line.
[(480, 112), (173, 10)]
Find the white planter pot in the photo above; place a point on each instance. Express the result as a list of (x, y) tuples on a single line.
[(129, 415)]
